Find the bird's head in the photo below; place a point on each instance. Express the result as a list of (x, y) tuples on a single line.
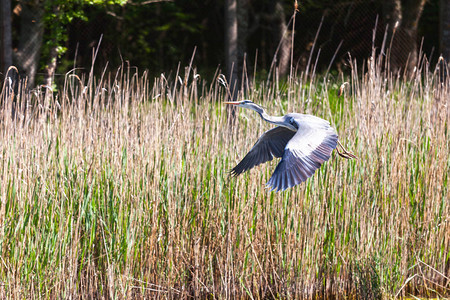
[(247, 104), (289, 122)]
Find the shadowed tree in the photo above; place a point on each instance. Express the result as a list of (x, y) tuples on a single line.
[(282, 34), (445, 28), (47, 20), (30, 39), (231, 46), (6, 40), (242, 19), (402, 17)]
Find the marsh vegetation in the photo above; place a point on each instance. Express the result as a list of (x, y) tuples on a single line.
[(117, 186)]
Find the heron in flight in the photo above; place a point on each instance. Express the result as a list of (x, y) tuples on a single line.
[(304, 143)]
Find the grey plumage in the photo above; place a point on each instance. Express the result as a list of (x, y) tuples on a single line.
[(304, 143), (270, 144), (305, 152)]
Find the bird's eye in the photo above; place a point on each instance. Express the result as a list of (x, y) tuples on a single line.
[(293, 123)]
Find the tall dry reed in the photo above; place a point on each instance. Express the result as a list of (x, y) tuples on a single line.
[(118, 187)]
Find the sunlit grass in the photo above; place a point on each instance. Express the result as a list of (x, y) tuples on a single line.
[(119, 187)]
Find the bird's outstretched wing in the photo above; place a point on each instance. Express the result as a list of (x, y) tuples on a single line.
[(271, 143), (304, 153)]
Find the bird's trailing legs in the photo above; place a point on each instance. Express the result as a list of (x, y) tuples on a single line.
[(345, 153)]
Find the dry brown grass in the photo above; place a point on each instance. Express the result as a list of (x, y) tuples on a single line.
[(118, 187)]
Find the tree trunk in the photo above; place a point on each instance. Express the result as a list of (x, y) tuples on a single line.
[(30, 40), (445, 29), (6, 40), (242, 21), (53, 55), (284, 52), (231, 46), (403, 18), (51, 67)]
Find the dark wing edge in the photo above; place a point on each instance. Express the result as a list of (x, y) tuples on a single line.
[(271, 143), (295, 167)]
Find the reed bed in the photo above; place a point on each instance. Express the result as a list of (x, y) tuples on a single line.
[(119, 187)]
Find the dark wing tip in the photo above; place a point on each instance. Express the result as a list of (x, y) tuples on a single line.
[(281, 179), (234, 172)]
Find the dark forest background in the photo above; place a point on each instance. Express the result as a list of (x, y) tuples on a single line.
[(158, 36)]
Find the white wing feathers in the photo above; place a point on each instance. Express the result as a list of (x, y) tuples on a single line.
[(302, 152), (307, 150)]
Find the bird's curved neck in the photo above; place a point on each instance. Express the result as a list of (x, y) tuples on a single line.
[(270, 119), (265, 116)]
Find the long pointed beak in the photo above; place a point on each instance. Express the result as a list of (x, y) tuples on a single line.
[(233, 103)]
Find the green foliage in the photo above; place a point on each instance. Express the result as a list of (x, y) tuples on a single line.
[(58, 14), (168, 30), (123, 189)]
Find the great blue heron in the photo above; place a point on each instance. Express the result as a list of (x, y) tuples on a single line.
[(303, 141)]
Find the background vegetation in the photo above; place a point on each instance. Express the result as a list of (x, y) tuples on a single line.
[(115, 180), (158, 35), (118, 187)]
